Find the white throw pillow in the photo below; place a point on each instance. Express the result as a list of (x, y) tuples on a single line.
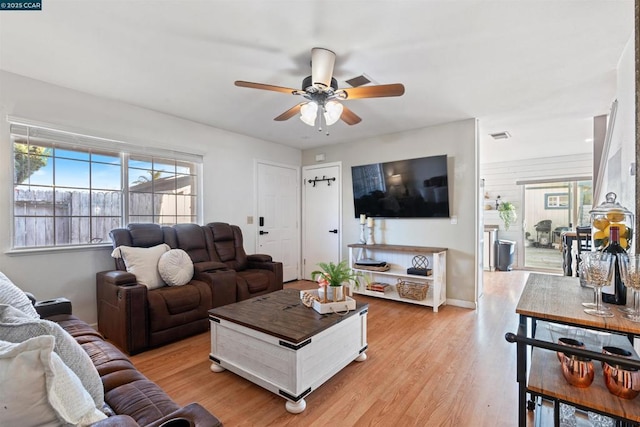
[(38, 389), (16, 327), (175, 267), (12, 295), (143, 262)]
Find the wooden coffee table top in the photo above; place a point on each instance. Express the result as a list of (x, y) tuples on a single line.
[(281, 314)]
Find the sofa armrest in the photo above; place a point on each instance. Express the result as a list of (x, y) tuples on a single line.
[(274, 266), (194, 413), (208, 266), (259, 258), (123, 310), (118, 278), (116, 421), (52, 307), (223, 285)]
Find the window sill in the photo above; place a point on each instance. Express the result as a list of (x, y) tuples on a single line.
[(57, 249)]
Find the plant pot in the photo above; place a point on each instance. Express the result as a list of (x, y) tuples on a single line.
[(334, 293)]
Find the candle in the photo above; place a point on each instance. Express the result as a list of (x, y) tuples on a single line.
[(370, 222), (363, 218)]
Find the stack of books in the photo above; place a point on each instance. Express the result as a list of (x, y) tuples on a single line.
[(378, 287)]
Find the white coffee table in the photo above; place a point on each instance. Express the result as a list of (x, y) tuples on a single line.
[(279, 344)]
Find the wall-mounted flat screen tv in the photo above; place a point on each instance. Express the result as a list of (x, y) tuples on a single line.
[(413, 188)]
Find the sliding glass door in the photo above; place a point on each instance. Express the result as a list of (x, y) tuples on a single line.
[(550, 208)]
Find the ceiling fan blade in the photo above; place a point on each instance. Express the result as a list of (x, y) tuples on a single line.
[(379, 91), (322, 62), (263, 86), (289, 113), (349, 117)]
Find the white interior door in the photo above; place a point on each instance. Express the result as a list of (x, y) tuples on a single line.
[(278, 213), (321, 216)]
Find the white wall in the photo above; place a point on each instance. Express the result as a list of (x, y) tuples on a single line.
[(228, 190), (458, 141), (500, 179), (621, 153)]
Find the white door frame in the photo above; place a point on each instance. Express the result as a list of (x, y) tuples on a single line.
[(256, 162), (304, 205)]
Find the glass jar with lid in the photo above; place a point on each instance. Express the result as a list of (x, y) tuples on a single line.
[(607, 214)]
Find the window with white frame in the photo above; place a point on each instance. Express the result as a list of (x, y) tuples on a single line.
[(71, 190)]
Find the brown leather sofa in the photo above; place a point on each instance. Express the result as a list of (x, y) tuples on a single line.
[(136, 318), (132, 398)]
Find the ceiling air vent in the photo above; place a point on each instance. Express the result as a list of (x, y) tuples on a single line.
[(358, 81), (500, 135)]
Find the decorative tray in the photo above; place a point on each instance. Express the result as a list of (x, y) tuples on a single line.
[(330, 307)]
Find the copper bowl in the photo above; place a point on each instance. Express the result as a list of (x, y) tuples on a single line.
[(615, 351), (578, 371), (621, 381), (568, 342)]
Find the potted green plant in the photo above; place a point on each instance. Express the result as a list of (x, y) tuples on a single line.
[(507, 213), (331, 277)]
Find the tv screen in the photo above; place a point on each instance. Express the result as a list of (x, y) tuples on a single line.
[(413, 188)]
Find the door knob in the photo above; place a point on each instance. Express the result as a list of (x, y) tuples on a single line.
[(263, 232), (335, 231)]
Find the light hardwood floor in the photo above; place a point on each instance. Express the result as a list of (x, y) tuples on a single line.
[(451, 368)]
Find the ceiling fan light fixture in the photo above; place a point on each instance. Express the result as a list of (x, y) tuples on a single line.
[(332, 112), (309, 112)]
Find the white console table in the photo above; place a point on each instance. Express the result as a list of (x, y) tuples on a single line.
[(400, 258)]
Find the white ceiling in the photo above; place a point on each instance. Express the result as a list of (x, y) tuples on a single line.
[(538, 69)]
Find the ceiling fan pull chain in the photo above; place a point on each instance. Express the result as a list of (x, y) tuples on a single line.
[(321, 118)]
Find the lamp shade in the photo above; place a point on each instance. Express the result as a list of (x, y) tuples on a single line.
[(308, 113), (322, 62), (332, 112)]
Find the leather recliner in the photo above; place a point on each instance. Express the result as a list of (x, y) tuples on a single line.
[(255, 274), (136, 318)]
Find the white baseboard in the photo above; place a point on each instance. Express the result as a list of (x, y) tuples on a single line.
[(461, 303)]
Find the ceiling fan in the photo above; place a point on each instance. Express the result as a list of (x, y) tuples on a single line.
[(321, 92)]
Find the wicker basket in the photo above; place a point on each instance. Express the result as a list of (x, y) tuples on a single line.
[(412, 290)]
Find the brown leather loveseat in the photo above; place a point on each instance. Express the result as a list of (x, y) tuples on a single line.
[(136, 318)]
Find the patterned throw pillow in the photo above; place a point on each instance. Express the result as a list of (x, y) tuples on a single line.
[(12, 295)]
